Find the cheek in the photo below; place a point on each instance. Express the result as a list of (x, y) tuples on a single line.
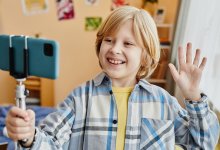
[(138, 59), (100, 60), (101, 55), (135, 61), (103, 51)]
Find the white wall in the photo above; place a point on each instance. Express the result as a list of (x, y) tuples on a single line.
[(199, 23)]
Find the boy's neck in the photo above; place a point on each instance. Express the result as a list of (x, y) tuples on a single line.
[(119, 83)]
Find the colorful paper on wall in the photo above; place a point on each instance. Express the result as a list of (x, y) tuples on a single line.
[(92, 2), (65, 9), (31, 7), (118, 3), (92, 23)]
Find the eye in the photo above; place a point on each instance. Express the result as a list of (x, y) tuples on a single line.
[(128, 43), (108, 40)]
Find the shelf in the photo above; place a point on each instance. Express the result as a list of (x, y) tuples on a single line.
[(33, 83), (40, 89), (165, 46), (164, 25), (165, 32), (156, 81), (159, 82)]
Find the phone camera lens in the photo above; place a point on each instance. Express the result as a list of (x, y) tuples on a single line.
[(48, 49)]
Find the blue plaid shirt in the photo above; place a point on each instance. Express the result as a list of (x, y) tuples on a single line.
[(87, 120)]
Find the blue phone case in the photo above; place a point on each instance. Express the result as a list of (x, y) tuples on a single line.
[(43, 56)]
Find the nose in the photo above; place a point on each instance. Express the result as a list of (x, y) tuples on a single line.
[(116, 48)]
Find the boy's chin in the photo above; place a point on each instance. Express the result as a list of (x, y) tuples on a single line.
[(113, 74)]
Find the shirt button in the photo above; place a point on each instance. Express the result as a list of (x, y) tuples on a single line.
[(115, 121), (110, 92)]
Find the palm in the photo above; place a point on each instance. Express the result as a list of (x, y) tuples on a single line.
[(189, 75)]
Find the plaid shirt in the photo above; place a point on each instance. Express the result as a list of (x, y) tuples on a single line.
[(155, 120)]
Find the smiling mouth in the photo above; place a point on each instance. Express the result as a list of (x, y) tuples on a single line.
[(115, 62)]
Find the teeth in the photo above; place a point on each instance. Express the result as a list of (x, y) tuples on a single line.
[(115, 61)]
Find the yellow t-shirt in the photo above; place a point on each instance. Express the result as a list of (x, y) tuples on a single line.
[(121, 97)]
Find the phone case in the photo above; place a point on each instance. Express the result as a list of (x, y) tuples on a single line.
[(42, 55)]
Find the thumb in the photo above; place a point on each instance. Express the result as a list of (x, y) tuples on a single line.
[(17, 112), (30, 115), (174, 72)]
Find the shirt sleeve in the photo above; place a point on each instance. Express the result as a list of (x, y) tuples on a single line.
[(55, 129), (196, 127)]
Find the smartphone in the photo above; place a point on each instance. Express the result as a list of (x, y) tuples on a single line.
[(42, 55)]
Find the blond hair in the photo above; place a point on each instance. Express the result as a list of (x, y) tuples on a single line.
[(145, 32)]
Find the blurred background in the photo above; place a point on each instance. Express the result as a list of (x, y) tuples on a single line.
[(74, 25)]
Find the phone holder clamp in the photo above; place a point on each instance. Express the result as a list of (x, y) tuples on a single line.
[(12, 63)]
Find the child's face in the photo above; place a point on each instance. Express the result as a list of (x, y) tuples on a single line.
[(120, 56)]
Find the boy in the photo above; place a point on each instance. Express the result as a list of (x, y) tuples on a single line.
[(119, 109)]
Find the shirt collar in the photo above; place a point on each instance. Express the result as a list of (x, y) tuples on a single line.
[(100, 78), (146, 85), (103, 78)]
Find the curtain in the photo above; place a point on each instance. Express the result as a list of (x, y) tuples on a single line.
[(199, 23)]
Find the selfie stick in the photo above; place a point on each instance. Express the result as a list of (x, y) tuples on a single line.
[(21, 92)]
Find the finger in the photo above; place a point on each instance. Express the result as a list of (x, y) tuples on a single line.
[(181, 57), (19, 130), (20, 136), (17, 122), (197, 57), (203, 63), (15, 111), (174, 72), (189, 53)]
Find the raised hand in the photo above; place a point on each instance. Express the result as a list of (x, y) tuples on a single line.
[(189, 75)]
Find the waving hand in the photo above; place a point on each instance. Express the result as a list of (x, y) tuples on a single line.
[(189, 75)]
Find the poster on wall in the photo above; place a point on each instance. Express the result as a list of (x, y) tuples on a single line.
[(92, 23), (92, 2), (159, 15), (31, 7), (118, 3), (65, 9)]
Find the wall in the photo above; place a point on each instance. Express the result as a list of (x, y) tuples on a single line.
[(7, 84), (78, 61)]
